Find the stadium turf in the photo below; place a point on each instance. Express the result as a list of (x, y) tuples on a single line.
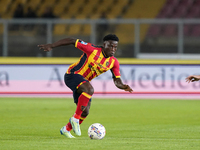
[(34, 124)]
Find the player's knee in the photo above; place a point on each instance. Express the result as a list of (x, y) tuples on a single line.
[(87, 88), (90, 91)]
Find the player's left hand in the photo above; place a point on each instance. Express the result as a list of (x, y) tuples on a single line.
[(128, 88)]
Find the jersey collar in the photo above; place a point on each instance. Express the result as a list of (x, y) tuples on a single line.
[(103, 53)]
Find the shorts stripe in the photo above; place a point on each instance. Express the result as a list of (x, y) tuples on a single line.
[(80, 84)]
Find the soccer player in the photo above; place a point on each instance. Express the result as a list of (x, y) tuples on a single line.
[(192, 78), (94, 61)]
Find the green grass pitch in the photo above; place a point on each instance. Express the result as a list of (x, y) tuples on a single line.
[(34, 124)]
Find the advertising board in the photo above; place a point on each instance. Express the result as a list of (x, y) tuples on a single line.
[(46, 78)]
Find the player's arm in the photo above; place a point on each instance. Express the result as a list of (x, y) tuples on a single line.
[(192, 78), (63, 42), (120, 85), (116, 78)]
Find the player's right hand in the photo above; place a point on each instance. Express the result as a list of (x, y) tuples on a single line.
[(45, 47), (192, 78), (128, 88)]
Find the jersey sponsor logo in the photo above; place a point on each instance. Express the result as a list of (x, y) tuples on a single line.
[(98, 72), (84, 43)]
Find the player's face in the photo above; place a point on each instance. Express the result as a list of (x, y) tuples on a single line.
[(110, 47)]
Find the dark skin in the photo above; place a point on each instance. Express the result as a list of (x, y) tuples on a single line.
[(192, 78), (109, 49)]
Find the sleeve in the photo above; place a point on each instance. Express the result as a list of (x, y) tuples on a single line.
[(85, 47), (115, 70)]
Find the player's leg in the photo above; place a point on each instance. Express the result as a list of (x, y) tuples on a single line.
[(82, 118), (72, 81), (86, 91), (85, 113), (66, 129), (82, 92)]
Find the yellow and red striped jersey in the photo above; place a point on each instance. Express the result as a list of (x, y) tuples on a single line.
[(93, 62)]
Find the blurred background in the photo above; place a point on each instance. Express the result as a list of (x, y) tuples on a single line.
[(146, 28)]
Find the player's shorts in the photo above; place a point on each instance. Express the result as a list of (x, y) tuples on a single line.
[(73, 81)]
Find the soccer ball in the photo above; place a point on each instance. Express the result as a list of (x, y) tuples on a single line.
[(96, 131)]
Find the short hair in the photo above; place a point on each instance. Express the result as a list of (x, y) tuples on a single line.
[(112, 37)]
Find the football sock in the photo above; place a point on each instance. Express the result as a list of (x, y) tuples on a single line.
[(82, 103), (68, 127), (81, 119), (76, 117)]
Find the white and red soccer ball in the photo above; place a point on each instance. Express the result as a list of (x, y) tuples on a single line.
[(96, 131)]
